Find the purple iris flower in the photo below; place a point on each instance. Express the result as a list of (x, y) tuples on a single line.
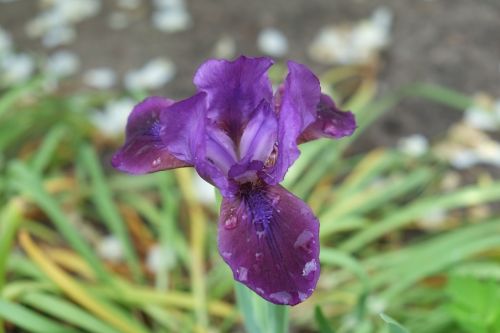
[(242, 138)]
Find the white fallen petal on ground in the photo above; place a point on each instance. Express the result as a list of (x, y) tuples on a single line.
[(60, 35), (225, 48), (489, 153), (354, 43), (101, 78), (59, 13), (481, 118), (433, 219), (16, 68), (128, 4), (110, 248), (414, 145), (112, 120), (5, 42), (118, 20), (62, 64), (153, 75), (464, 159), (171, 15), (273, 42), (168, 20), (160, 258)]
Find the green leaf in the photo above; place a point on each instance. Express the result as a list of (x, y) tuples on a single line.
[(321, 322), (29, 320), (67, 312), (102, 198), (394, 326)]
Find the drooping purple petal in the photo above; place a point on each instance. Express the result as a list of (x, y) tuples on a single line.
[(297, 102), (234, 89), (144, 150), (269, 238), (330, 122)]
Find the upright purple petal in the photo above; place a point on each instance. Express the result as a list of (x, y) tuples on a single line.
[(144, 150), (330, 122), (297, 102), (234, 89), (190, 139), (259, 135), (269, 238)]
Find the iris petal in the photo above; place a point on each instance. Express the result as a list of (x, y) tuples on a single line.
[(259, 135), (186, 135), (234, 89), (269, 238), (144, 150), (297, 104), (331, 122)]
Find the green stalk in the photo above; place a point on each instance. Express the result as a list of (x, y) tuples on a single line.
[(10, 220)]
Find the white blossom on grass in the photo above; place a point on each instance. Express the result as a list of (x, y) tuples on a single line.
[(110, 248), (160, 258)]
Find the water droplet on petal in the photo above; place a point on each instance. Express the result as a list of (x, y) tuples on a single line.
[(304, 241), (305, 211), (227, 255), (309, 267), (282, 297), (302, 296), (156, 162), (242, 274), (231, 222), (275, 200), (259, 256)]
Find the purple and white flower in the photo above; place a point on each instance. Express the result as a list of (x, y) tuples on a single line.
[(242, 138)]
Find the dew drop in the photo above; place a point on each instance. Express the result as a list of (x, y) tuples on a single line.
[(275, 200), (305, 211), (259, 256), (227, 255), (304, 241), (231, 222), (309, 267), (282, 297), (156, 162), (302, 296), (242, 274)]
